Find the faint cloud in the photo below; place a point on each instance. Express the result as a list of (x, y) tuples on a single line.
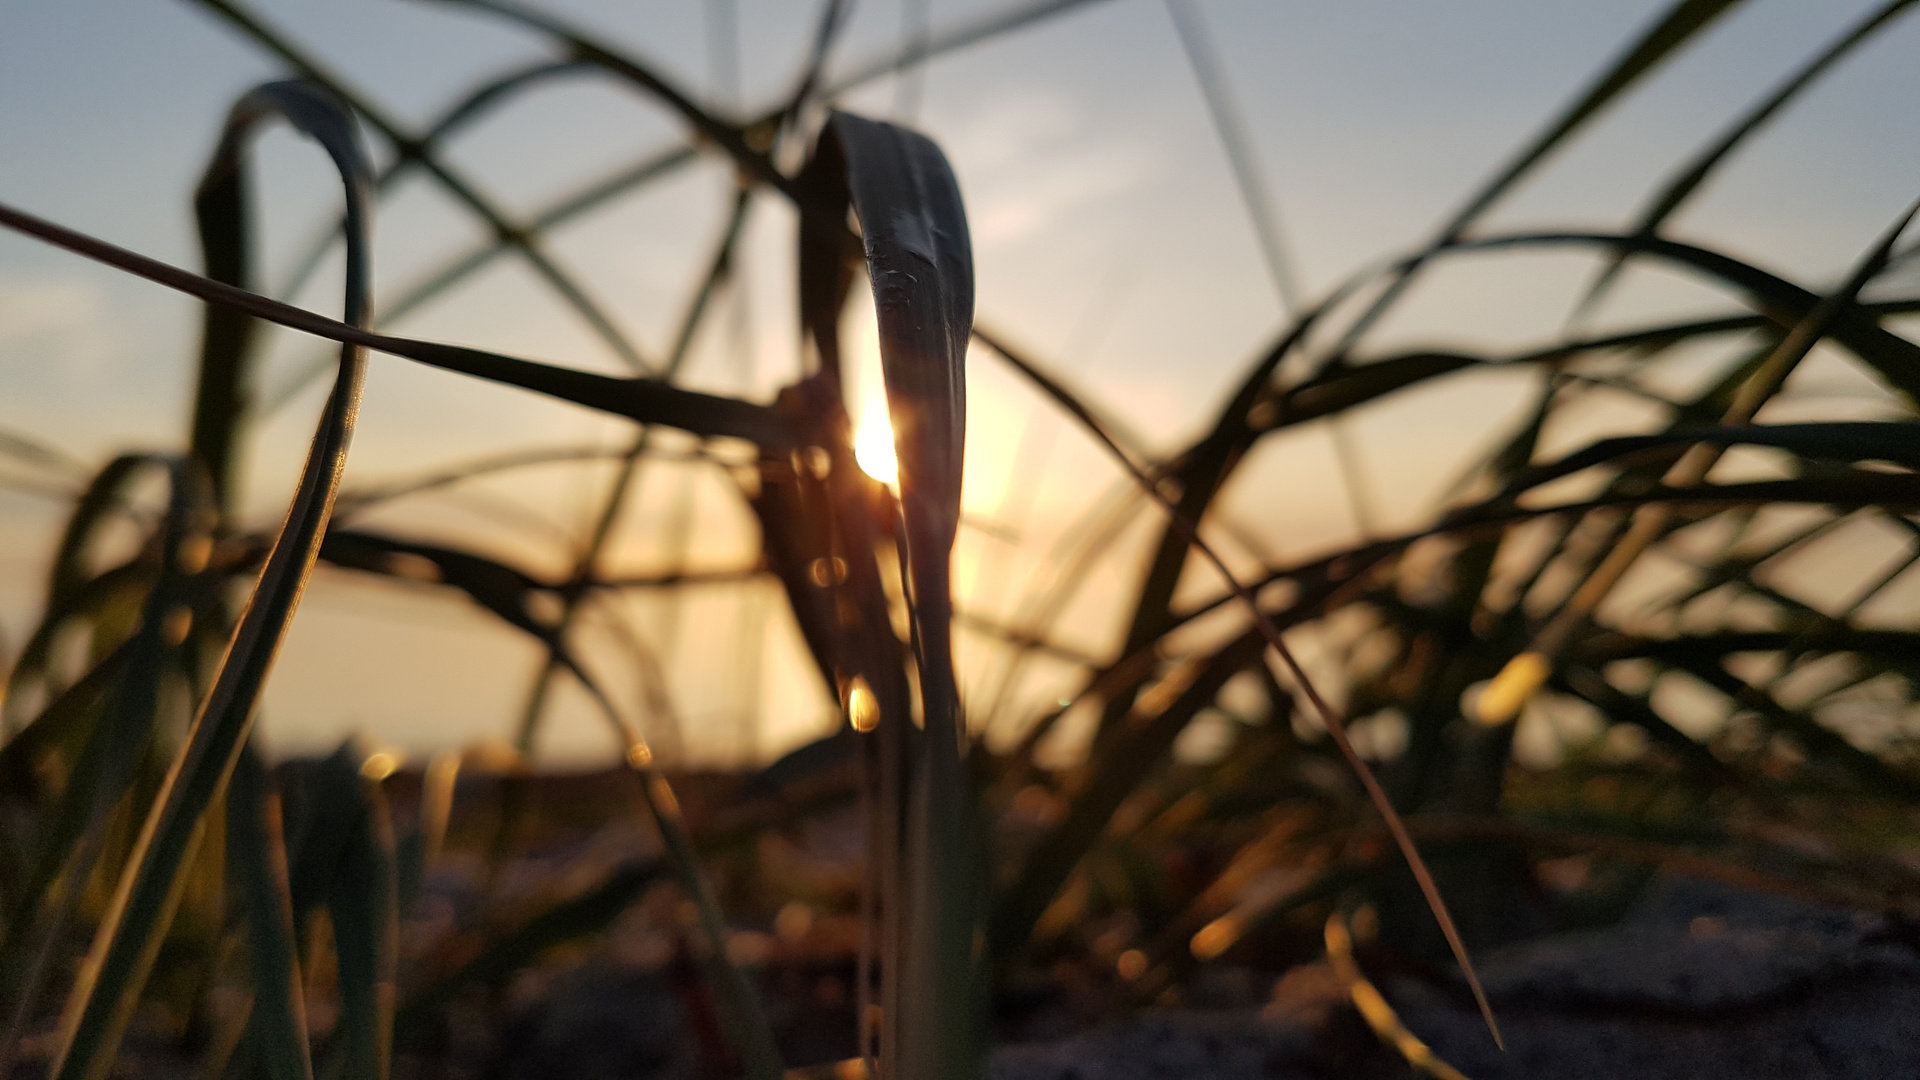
[(62, 324), (1027, 161)]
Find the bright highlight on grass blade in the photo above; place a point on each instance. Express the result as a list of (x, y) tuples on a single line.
[(863, 709), (873, 444)]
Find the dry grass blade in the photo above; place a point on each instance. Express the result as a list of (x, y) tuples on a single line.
[(1322, 710), (129, 937), (1374, 1009)]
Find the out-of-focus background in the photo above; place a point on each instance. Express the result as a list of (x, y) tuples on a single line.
[(1110, 239)]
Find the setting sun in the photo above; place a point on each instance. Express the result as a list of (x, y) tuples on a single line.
[(873, 443)]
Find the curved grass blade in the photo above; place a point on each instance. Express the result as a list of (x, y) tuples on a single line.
[(74, 590), (1348, 386), (506, 591), (503, 590), (59, 727), (655, 164), (129, 937), (508, 232), (103, 495), (920, 263), (468, 109), (1202, 469), (727, 136), (99, 600)]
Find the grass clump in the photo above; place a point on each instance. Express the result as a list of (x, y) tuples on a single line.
[(152, 849)]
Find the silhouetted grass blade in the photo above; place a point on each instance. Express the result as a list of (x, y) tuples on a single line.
[(1689, 178), (509, 233), (363, 907), (583, 47), (256, 852), (73, 835), (150, 888), (1897, 442), (644, 400), (1681, 23), (920, 263), (1188, 530)]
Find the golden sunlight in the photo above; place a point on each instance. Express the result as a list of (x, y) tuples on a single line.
[(866, 388), (873, 443)]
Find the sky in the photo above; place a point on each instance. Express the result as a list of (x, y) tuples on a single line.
[(1109, 239)]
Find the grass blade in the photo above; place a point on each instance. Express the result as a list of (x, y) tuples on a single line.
[(1336, 727), (1688, 179), (644, 400), (470, 108), (920, 263), (363, 906), (1681, 23), (509, 232), (1523, 675), (129, 937), (277, 1023), (1238, 144), (74, 832), (727, 136)]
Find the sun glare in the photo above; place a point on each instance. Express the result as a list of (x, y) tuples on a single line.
[(873, 443)]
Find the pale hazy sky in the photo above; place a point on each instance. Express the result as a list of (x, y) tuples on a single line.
[(1108, 234)]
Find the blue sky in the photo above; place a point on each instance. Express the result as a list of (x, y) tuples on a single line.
[(1109, 237)]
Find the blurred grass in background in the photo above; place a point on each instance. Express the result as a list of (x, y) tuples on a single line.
[(1659, 614)]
